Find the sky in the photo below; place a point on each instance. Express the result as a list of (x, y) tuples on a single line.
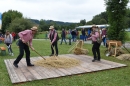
[(57, 10)]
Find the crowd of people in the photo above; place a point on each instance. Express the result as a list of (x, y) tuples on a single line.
[(74, 34)]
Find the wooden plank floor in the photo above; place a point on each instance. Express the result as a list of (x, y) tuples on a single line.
[(24, 73)]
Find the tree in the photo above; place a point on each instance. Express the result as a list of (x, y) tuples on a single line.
[(116, 10), (20, 24), (8, 17), (128, 22), (43, 26), (128, 17), (104, 16), (102, 21), (101, 18), (82, 22), (96, 19), (89, 23)]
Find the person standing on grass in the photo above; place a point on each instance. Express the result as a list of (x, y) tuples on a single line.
[(46, 35), (69, 37), (14, 35), (96, 45), (25, 41), (73, 33), (63, 36), (8, 41), (83, 31), (104, 36)]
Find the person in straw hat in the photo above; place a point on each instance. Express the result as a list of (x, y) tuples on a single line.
[(25, 41), (53, 36), (96, 46)]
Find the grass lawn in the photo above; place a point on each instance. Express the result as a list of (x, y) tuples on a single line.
[(114, 77)]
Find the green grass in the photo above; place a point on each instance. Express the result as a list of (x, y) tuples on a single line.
[(114, 77)]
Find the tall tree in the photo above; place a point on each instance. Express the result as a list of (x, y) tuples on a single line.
[(96, 19), (82, 22), (8, 17), (104, 16), (43, 26), (116, 10), (19, 24), (128, 17), (89, 23), (102, 21)]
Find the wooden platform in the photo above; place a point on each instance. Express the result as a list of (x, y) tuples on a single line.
[(24, 73)]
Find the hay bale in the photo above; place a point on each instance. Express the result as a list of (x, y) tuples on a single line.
[(119, 51), (124, 57), (84, 51), (79, 51), (58, 62)]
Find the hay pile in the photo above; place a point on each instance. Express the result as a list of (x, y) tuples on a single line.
[(58, 62), (79, 51), (119, 51), (124, 57)]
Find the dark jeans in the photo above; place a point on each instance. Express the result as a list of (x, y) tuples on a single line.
[(74, 38), (84, 37), (9, 47), (56, 48), (63, 38), (104, 43), (69, 41), (95, 49), (23, 47)]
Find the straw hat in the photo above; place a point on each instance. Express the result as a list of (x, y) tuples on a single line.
[(104, 29), (51, 27), (94, 26), (34, 28)]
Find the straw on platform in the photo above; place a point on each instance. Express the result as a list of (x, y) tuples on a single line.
[(58, 62)]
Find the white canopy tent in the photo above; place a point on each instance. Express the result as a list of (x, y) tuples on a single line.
[(90, 26)]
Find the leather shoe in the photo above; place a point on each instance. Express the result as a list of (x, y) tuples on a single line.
[(15, 65), (30, 65), (93, 60)]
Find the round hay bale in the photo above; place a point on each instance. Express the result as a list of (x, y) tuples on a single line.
[(124, 57), (58, 62)]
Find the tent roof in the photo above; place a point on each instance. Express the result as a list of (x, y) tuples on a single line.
[(90, 26)]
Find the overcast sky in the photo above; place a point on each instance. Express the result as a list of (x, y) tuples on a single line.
[(58, 10)]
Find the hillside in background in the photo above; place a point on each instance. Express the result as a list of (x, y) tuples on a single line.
[(49, 21)]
